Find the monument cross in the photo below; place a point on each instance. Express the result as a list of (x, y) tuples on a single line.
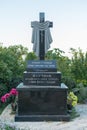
[(41, 39), (42, 96)]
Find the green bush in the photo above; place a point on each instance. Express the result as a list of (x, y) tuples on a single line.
[(3, 89), (12, 65), (81, 91), (79, 65), (70, 82), (14, 58)]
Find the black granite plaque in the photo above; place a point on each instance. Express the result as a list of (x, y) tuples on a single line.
[(38, 104), (41, 66), (42, 101), (42, 79)]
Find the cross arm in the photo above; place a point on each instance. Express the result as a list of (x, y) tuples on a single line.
[(51, 24)]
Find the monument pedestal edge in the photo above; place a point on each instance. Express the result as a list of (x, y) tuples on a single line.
[(19, 117), (42, 118)]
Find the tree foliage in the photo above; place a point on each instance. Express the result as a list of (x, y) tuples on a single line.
[(63, 62), (11, 64), (79, 65), (30, 56), (13, 61), (73, 70)]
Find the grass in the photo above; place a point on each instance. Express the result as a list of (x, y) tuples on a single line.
[(7, 127)]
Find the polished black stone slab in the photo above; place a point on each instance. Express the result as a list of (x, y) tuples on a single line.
[(39, 104), (41, 69), (22, 118), (41, 66), (42, 78)]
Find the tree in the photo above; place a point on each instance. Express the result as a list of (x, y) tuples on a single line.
[(79, 65), (63, 62), (31, 56), (12, 64)]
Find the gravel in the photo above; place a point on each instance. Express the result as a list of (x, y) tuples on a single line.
[(79, 123)]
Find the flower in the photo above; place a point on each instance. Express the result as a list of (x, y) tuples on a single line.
[(12, 95), (74, 103), (5, 97), (72, 99), (14, 92)]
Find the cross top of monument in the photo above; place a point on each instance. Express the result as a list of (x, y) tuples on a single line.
[(41, 37), (42, 19)]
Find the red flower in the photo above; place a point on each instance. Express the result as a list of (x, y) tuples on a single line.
[(4, 98), (7, 95), (13, 91), (12, 94)]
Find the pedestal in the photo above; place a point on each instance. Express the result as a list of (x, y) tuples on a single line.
[(42, 103)]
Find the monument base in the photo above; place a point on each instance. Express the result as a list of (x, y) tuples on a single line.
[(42, 118), (42, 103)]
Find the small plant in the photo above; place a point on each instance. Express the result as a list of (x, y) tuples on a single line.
[(8, 127), (81, 91), (71, 103), (74, 113), (11, 97), (72, 99)]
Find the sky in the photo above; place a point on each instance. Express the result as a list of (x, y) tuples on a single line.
[(69, 19)]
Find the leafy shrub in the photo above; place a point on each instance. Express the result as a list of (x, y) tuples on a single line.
[(70, 82), (12, 65), (81, 92), (31, 56), (83, 82), (79, 65), (3, 89)]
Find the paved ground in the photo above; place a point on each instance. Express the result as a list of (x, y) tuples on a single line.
[(79, 123)]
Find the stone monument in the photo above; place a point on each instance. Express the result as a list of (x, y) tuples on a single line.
[(41, 37), (42, 96)]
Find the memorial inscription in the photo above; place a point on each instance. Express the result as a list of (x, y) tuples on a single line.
[(41, 66), (42, 79)]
